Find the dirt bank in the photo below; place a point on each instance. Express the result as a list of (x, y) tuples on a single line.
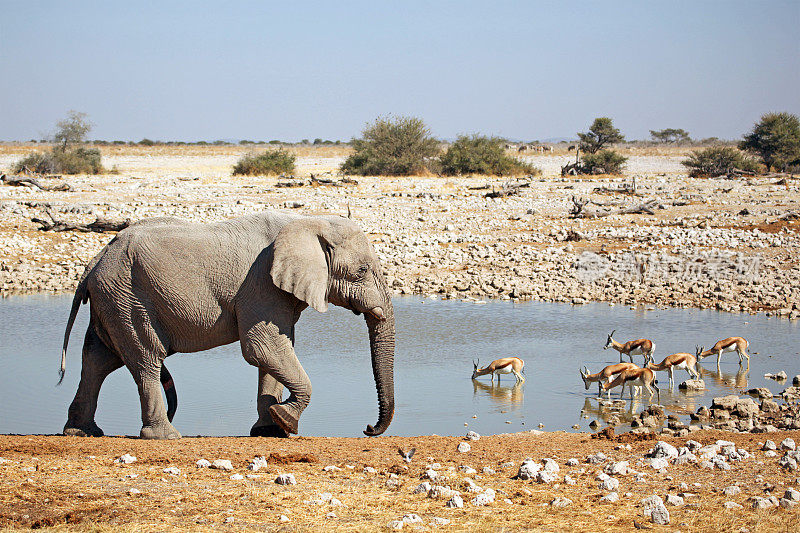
[(76, 483)]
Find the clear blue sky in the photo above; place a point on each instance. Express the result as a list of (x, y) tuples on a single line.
[(291, 70)]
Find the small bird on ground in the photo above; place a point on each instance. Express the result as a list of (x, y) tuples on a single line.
[(637, 525), (406, 455)]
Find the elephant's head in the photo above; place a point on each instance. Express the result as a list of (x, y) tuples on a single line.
[(329, 259)]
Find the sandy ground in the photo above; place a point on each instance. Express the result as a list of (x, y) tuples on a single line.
[(70, 483)]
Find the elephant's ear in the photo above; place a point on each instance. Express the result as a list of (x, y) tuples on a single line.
[(299, 265)]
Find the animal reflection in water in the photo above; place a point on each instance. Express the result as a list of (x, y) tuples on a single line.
[(616, 411), (506, 395), (506, 365), (728, 380)]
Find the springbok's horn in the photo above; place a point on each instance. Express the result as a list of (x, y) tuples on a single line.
[(612, 333)]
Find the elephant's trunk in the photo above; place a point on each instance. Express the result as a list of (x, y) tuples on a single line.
[(381, 341)]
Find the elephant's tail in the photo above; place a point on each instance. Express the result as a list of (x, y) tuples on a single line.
[(81, 296)]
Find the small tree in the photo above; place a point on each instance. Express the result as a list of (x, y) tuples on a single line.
[(601, 133), (73, 129), (718, 160), (776, 139), (392, 147), (477, 154), (670, 135)]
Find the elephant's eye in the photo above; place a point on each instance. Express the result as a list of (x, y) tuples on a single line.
[(363, 269)]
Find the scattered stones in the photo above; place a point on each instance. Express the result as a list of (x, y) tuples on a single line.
[(484, 498), (611, 497), (757, 502), (543, 476), (780, 376), (442, 492), (285, 479), (203, 463), (610, 484), (653, 507), (172, 470), (126, 459), (787, 444), (792, 494), (619, 468), (472, 435), (436, 521), (464, 447), (731, 490), (468, 470), (550, 465), (732, 505), (528, 469), (258, 463), (596, 458), (674, 500), (423, 488), (412, 518), (693, 384), (431, 474), (237, 477)]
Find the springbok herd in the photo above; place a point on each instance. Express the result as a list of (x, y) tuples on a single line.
[(630, 374)]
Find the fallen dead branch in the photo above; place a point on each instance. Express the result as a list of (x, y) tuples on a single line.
[(580, 209), (100, 225), (508, 189), (25, 181)]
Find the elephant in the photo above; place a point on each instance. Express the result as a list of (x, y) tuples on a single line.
[(165, 285)]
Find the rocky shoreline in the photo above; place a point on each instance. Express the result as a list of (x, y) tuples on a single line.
[(712, 243)]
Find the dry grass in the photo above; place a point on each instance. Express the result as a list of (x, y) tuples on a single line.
[(73, 484)]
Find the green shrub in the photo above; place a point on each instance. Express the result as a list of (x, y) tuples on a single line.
[(60, 161), (718, 160), (392, 147), (147, 142), (601, 133), (265, 164), (477, 154), (776, 139), (602, 162)]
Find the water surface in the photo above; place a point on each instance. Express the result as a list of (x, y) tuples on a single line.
[(436, 344)]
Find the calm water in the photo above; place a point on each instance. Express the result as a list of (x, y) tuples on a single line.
[(436, 343)]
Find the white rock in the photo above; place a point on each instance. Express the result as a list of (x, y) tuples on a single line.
[(528, 469), (441, 492), (285, 479), (412, 518), (468, 470), (331, 468), (674, 500), (423, 487), (126, 459), (172, 470), (663, 449), (573, 462), (395, 524), (545, 477), (769, 445), (237, 477), (484, 498), (619, 468), (560, 502), (203, 463), (732, 505), (550, 465), (731, 490), (471, 435), (431, 474), (134, 492), (792, 494), (464, 447), (326, 496), (222, 464), (758, 502), (488, 470), (787, 444), (597, 458), (610, 484), (257, 463), (569, 481), (284, 518), (611, 497), (436, 521), (369, 470), (455, 502)]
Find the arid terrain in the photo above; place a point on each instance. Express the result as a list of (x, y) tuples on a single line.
[(733, 245), (344, 484)]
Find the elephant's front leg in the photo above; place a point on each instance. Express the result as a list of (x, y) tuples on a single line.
[(270, 392), (264, 345)]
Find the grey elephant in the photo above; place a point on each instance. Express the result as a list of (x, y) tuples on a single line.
[(165, 285)]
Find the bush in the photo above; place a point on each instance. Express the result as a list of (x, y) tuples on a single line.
[(265, 164), (478, 154), (670, 135), (776, 139), (718, 160), (147, 142), (60, 161), (392, 147), (602, 162)]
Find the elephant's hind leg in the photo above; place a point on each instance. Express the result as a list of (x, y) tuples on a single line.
[(98, 362)]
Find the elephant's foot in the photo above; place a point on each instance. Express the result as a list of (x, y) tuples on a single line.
[(86, 430), (161, 432), (268, 431), (282, 417)]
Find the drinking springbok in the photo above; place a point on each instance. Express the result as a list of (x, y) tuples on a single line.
[(506, 365), (731, 344), (604, 375), (644, 347), (635, 377), (685, 361)]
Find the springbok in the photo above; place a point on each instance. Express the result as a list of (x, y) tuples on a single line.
[(731, 344), (685, 361), (506, 365), (644, 347), (635, 377), (604, 375)]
